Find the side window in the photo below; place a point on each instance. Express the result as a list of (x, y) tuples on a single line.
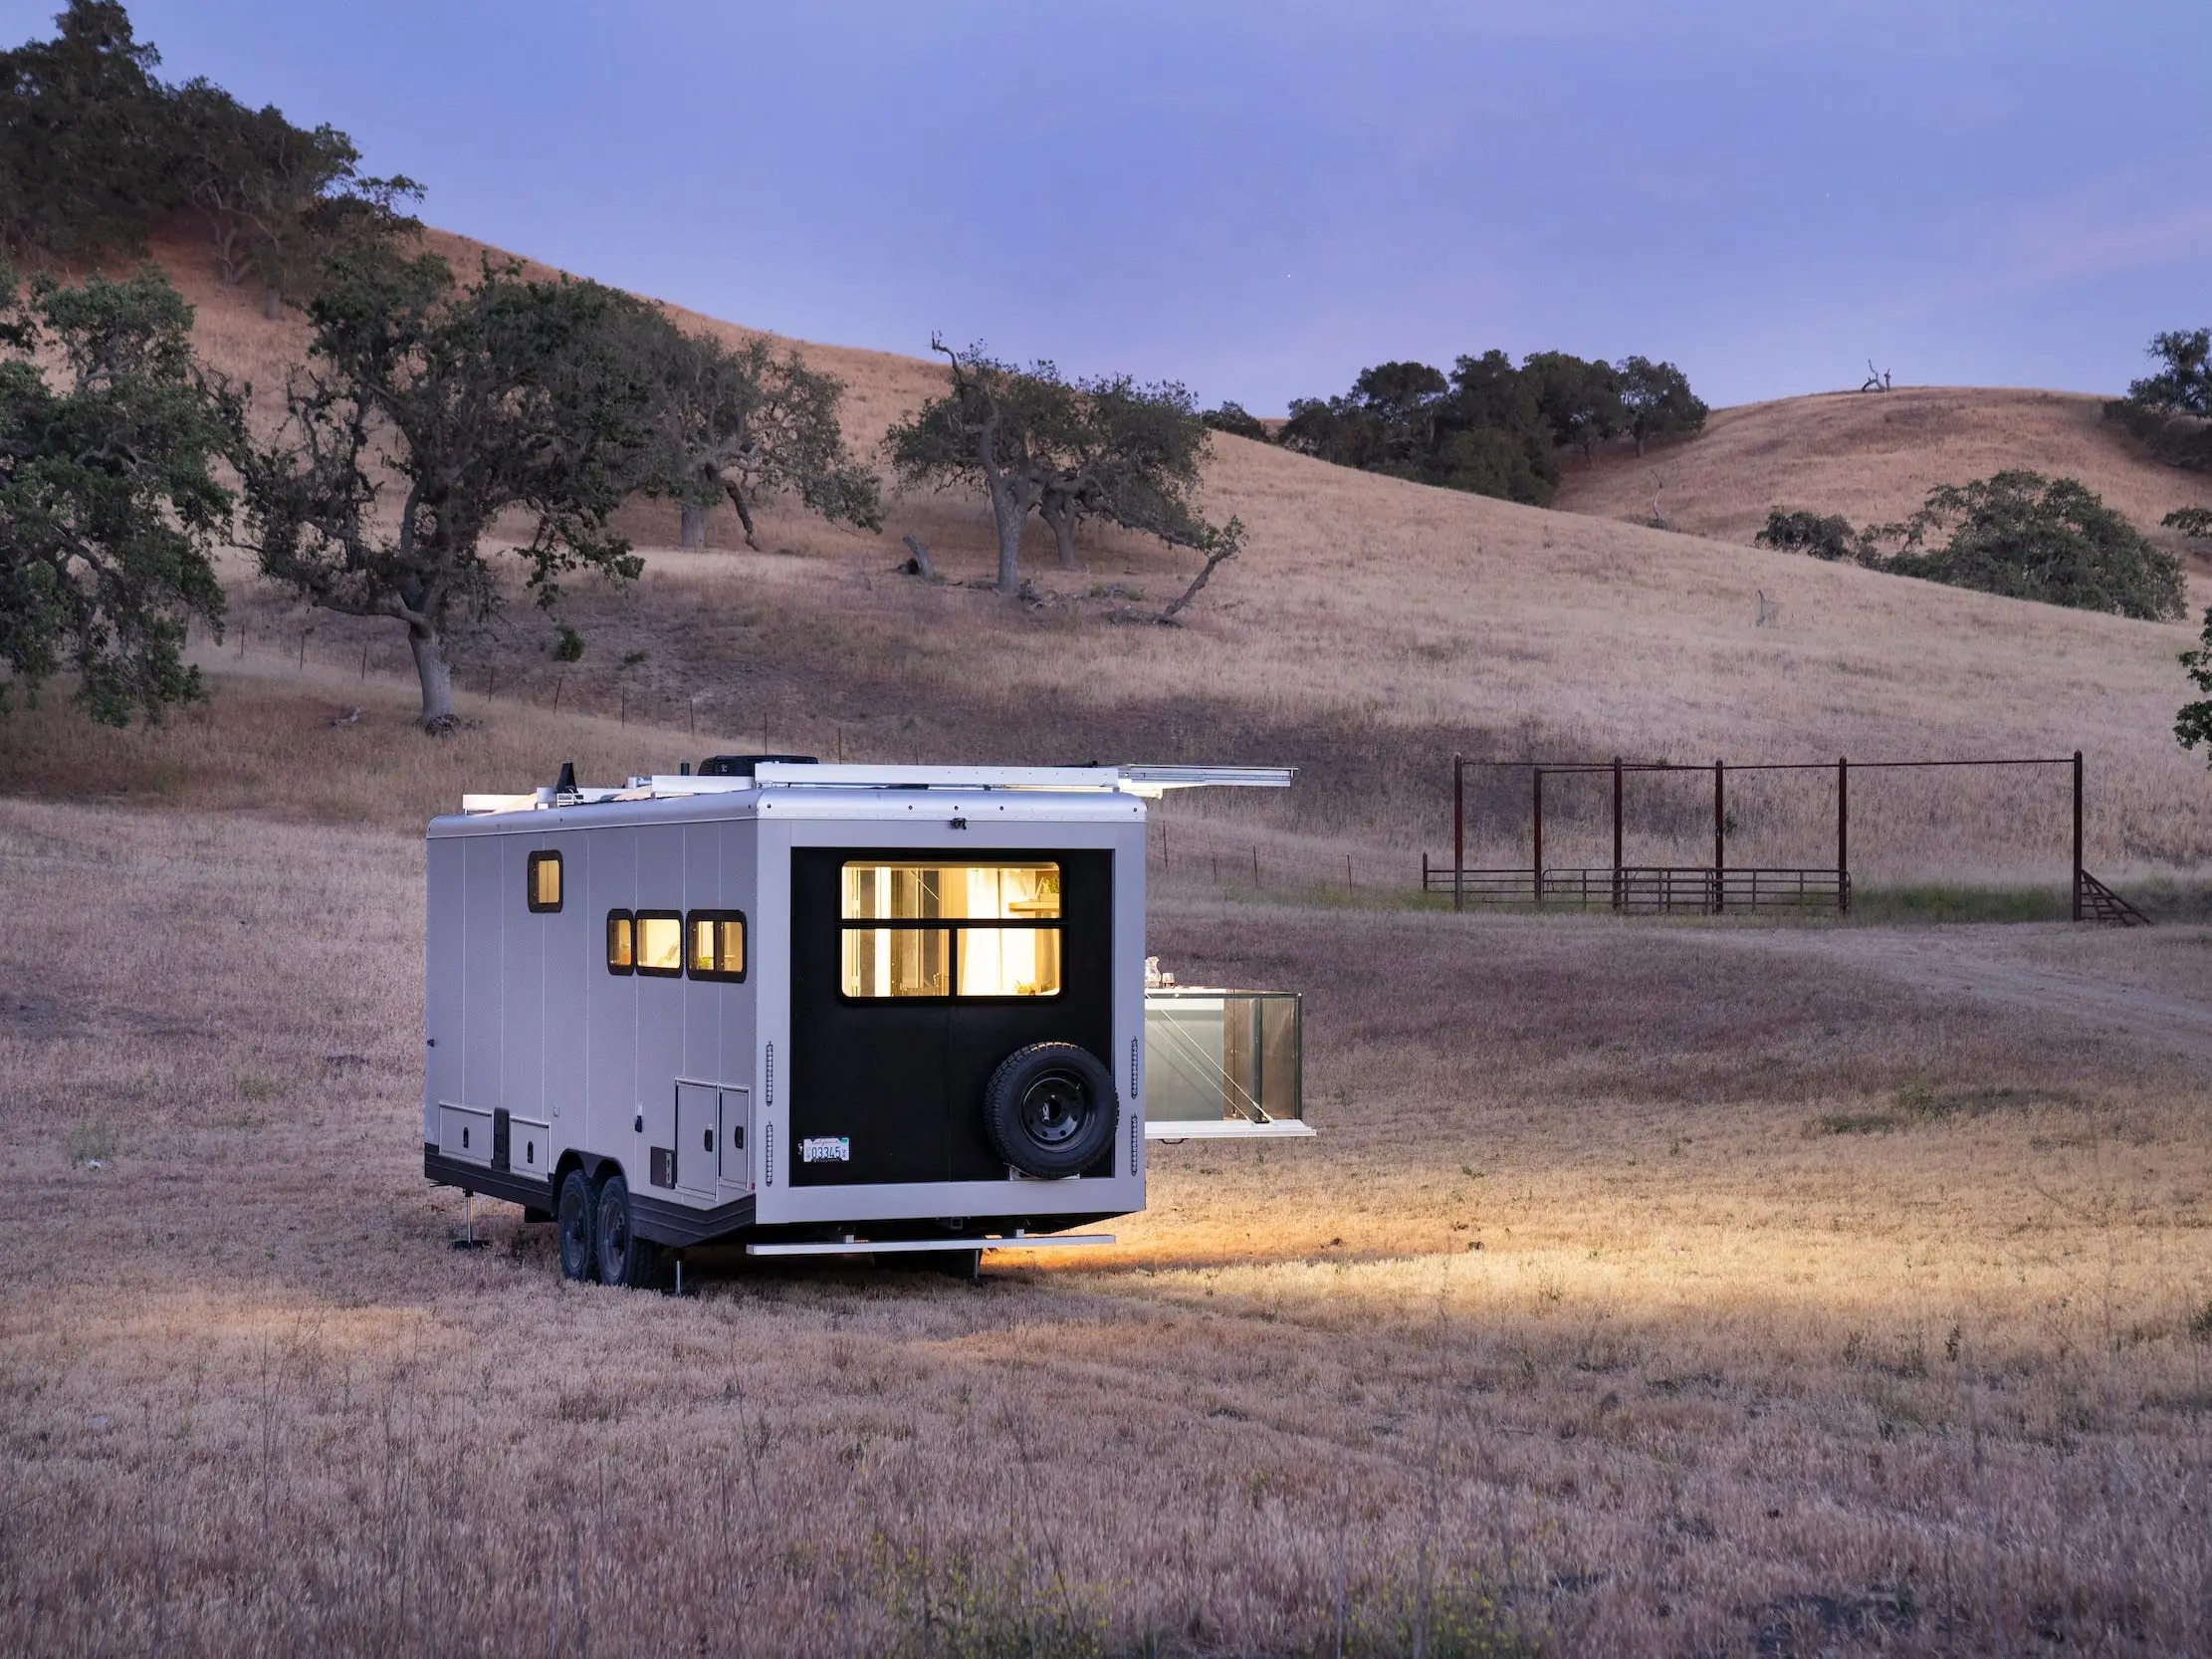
[(621, 942), (716, 948), (542, 882), (660, 943)]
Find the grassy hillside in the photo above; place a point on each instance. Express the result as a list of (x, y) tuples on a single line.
[(1373, 626), (1874, 458)]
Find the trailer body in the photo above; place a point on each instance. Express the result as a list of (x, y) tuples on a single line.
[(774, 1004)]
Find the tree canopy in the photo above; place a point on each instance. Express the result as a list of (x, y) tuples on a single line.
[(276, 201), (1820, 535), (2192, 723), (1239, 422), (1579, 399), (2170, 411), (463, 403), (744, 424), (96, 153), (84, 128), (1657, 402), (1108, 447), (1492, 427), (2018, 534), (997, 425), (111, 500), (1129, 454)]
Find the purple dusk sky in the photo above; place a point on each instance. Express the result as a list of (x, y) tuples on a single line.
[(1259, 199)]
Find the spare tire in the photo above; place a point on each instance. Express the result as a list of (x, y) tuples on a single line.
[(1050, 1109)]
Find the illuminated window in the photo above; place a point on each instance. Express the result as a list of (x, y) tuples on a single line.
[(621, 942), (947, 930), (716, 949), (542, 882), (660, 943)]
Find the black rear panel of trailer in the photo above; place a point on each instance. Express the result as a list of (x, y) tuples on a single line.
[(902, 1079)]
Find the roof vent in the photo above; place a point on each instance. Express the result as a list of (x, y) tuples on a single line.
[(742, 766)]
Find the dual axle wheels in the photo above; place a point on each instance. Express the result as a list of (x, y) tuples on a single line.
[(596, 1239), (1050, 1110)]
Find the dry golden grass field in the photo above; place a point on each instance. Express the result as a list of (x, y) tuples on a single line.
[(1651, 1289)]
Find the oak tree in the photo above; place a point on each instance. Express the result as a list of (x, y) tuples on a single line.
[(280, 202), (1656, 400), (427, 410), (111, 501), (1131, 455), (2171, 410), (85, 136), (745, 424), (998, 426)]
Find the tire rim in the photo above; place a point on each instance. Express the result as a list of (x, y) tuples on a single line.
[(615, 1231), (1055, 1110), (573, 1218)]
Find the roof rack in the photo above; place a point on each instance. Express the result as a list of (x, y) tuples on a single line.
[(1150, 782)]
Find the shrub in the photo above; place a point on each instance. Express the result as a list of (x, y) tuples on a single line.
[(1821, 535), (1236, 422), (2019, 534)]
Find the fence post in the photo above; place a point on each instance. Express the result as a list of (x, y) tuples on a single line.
[(2077, 835), (1843, 836), (1720, 850), (1617, 832), (1536, 776), (1459, 835)]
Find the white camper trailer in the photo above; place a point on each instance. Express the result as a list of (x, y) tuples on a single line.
[(809, 1007)]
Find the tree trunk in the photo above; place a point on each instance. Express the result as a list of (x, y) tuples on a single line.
[(1064, 534), (436, 676), (695, 525), (1007, 514), (272, 302), (745, 515)]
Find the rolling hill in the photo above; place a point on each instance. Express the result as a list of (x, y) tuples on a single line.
[(1873, 457), (1375, 627)]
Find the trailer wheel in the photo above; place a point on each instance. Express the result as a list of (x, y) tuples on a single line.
[(625, 1258), (575, 1212), (1050, 1109)]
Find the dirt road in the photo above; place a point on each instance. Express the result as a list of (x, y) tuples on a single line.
[(2095, 979)]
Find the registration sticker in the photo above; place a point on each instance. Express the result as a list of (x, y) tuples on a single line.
[(825, 1149)]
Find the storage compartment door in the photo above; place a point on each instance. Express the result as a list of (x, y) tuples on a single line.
[(698, 1136), (465, 1133), (734, 1146)]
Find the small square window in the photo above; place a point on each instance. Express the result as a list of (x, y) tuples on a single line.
[(542, 884), (715, 945), (660, 943), (621, 942)]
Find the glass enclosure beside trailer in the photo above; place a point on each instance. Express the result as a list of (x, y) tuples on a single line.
[(1223, 1064)]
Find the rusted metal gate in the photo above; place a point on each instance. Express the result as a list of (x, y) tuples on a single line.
[(1714, 888)]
